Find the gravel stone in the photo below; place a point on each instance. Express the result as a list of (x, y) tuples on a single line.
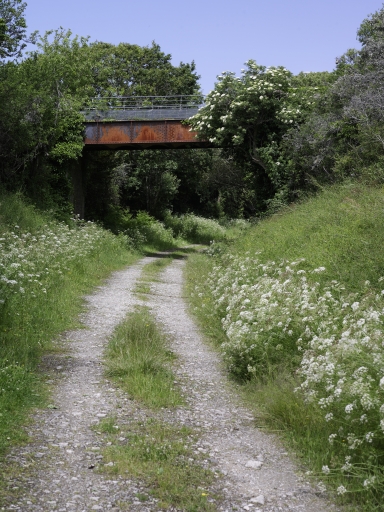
[(58, 467)]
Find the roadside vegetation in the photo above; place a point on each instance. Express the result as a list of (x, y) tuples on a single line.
[(296, 307), (46, 266)]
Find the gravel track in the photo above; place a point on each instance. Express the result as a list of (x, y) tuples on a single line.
[(57, 468)]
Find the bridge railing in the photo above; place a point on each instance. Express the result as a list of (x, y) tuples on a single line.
[(143, 107)]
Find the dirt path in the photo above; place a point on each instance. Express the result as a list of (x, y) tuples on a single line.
[(58, 465)]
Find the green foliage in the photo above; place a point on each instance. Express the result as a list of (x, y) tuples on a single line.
[(145, 230), (131, 70), (161, 455), (16, 211), (195, 229), (41, 125), (342, 137), (13, 37), (371, 27)]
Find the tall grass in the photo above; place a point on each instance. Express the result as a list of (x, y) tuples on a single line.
[(300, 303)]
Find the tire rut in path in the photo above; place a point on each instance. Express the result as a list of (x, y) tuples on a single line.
[(58, 464)]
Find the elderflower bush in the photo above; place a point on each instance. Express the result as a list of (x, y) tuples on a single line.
[(252, 113), (30, 262), (278, 313)]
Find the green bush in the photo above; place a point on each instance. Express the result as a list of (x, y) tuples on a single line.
[(146, 230), (195, 229)]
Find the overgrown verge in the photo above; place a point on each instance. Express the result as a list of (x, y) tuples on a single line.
[(297, 308), (45, 269), (143, 230), (195, 229)]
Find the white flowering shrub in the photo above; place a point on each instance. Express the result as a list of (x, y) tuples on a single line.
[(29, 263), (278, 314), (251, 114)]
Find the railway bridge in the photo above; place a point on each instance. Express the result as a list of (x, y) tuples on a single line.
[(141, 122), (134, 123)]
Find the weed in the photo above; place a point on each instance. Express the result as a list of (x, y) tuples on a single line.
[(299, 304), (45, 269)]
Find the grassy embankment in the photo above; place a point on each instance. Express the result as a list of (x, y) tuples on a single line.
[(297, 307)]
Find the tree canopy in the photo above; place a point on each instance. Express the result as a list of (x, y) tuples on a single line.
[(42, 96), (13, 29), (277, 134)]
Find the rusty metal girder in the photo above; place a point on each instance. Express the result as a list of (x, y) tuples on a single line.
[(140, 135)]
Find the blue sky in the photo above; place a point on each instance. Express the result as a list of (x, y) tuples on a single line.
[(218, 35)]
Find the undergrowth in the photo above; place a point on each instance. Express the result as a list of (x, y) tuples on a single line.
[(45, 269)]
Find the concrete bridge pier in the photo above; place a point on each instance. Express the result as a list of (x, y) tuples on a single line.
[(77, 173)]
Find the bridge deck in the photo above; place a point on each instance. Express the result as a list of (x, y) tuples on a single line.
[(140, 135), (140, 122)]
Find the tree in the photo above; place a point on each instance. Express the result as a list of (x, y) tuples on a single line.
[(248, 117), (13, 29), (344, 136), (132, 70)]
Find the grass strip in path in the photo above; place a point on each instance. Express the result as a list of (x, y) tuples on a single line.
[(161, 455), (139, 360), (152, 270)]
